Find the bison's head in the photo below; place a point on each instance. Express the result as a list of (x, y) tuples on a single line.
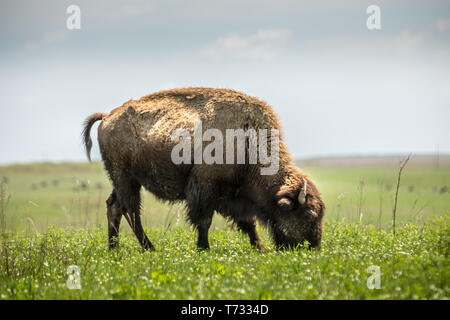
[(298, 215)]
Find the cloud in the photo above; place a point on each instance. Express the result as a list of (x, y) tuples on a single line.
[(53, 37), (47, 39), (134, 9), (262, 45), (408, 41), (443, 24), (29, 100)]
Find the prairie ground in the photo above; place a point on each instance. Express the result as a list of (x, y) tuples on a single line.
[(53, 216)]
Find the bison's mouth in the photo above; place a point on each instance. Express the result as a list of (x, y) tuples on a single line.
[(285, 240), (288, 245)]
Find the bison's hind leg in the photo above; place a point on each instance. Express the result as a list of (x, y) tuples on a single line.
[(129, 198), (114, 214)]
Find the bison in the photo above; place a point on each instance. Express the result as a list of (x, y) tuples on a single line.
[(136, 144)]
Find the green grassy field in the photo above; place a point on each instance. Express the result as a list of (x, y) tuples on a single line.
[(53, 216)]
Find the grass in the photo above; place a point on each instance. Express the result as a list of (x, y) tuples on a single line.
[(413, 265), (51, 226)]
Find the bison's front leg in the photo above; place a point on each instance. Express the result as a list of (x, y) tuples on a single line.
[(249, 227), (203, 228), (200, 210)]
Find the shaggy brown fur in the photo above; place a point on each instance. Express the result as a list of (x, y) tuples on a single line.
[(135, 144)]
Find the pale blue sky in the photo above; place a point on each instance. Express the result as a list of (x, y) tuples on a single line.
[(338, 87)]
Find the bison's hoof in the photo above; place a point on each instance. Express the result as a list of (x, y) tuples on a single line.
[(262, 248), (148, 247), (203, 248)]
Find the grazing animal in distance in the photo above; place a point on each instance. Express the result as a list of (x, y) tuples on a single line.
[(136, 146)]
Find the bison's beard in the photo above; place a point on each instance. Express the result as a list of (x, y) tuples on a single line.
[(292, 233)]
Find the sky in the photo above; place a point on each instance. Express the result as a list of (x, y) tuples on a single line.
[(338, 87)]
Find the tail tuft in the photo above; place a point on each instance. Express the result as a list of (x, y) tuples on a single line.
[(86, 134)]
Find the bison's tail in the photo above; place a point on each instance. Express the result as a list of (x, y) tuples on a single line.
[(87, 125)]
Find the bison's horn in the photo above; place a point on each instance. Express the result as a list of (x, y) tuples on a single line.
[(302, 194)]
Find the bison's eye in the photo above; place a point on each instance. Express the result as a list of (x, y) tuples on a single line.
[(285, 204)]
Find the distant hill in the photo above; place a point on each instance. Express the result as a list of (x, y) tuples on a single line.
[(375, 160), (331, 161)]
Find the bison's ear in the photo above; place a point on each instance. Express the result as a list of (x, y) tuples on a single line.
[(285, 204)]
